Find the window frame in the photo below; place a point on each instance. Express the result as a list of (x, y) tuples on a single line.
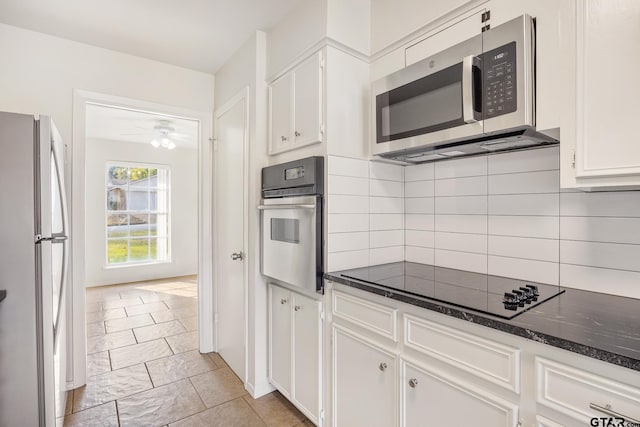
[(167, 212)]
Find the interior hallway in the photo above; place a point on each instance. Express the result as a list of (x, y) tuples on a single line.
[(144, 368)]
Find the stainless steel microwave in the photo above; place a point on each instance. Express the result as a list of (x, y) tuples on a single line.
[(475, 97)]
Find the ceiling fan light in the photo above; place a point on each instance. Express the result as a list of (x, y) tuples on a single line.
[(155, 143), (171, 145)]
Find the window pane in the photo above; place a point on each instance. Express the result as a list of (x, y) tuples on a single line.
[(117, 225), (117, 175), (139, 177), (138, 199), (139, 224), (117, 251), (139, 250), (161, 179), (116, 199), (161, 225), (159, 249), (137, 229)]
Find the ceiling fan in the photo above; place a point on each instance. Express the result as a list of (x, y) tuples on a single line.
[(162, 134)]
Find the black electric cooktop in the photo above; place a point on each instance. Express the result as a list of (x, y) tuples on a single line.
[(495, 295)]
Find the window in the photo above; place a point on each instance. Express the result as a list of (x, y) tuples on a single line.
[(137, 212)]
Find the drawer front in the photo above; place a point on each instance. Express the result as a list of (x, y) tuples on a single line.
[(486, 359), (545, 422), (370, 315), (572, 391)]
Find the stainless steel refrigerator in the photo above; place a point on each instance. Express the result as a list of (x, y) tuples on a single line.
[(34, 250)]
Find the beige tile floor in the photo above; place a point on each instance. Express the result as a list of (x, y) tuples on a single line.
[(144, 367)]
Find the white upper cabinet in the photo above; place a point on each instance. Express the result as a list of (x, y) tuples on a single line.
[(450, 34), (280, 114), (296, 107), (307, 102), (607, 152)]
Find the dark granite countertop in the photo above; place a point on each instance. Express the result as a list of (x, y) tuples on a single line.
[(601, 326)]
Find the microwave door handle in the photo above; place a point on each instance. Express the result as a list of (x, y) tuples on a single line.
[(467, 89)]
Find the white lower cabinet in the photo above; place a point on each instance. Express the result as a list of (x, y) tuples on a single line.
[(431, 399), (364, 382), (306, 355), (295, 331)]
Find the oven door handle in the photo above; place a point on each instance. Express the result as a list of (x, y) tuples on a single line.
[(269, 207)]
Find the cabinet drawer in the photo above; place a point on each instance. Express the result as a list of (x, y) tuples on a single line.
[(571, 392), (370, 315), (490, 360), (545, 422)]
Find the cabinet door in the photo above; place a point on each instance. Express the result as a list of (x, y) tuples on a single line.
[(428, 399), (453, 32), (280, 339), (306, 355), (280, 114), (608, 89), (308, 111), (364, 382)]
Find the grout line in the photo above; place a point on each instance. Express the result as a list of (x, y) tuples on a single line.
[(599, 267), (600, 241), (525, 259), (117, 412)]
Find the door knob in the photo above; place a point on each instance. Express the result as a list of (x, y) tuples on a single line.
[(237, 255), (413, 383), (283, 301), (298, 133), (297, 308), (382, 366)]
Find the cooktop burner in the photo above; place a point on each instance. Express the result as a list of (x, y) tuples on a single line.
[(499, 296)]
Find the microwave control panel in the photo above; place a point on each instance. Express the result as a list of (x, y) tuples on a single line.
[(499, 86)]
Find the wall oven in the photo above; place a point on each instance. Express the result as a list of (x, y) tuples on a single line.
[(291, 244), (474, 97)]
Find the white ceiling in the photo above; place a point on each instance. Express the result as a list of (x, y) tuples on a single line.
[(116, 124), (196, 34)]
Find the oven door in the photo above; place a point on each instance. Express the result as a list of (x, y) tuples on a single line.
[(291, 238), (435, 100)]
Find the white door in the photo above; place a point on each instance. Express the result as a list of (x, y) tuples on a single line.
[(231, 133)]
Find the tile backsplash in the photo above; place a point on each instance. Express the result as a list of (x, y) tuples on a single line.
[(501, 214), (366, 213)]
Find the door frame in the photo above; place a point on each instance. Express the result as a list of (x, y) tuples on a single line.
[(242, 95), (78, 174)]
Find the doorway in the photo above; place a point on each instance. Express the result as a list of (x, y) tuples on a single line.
[(231, 172), (140, 227)]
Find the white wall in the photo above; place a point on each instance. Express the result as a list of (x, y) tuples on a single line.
[(182, 163), (247, 68), (39, 73)]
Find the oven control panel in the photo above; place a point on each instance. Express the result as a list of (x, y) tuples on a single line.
[(499, 86)]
